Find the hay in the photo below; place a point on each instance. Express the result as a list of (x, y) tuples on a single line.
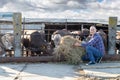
[(70, 53)]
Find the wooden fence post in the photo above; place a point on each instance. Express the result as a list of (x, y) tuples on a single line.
[(17, 23), (112, 34)]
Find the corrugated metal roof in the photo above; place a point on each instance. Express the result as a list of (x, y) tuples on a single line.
[(8, 17), (101, 21)]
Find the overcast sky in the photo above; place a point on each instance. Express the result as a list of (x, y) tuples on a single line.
[(73, 9)]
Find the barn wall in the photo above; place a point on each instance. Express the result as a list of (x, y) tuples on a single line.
[(51, 27)]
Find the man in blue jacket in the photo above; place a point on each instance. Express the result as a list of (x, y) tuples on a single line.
[(94, 47)]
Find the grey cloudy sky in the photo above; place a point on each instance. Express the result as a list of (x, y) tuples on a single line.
[(73, 9)]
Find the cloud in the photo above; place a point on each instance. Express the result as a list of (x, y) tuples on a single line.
[(63, 8), (3, 2)]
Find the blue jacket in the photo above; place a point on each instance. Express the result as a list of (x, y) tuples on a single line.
[(97, 42)]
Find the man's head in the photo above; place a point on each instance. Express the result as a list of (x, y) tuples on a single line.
[(93, 30)]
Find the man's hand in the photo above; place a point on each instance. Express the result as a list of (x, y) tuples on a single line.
[(77, 44)]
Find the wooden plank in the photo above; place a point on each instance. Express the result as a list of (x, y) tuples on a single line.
[(112, 34), (107, 57), (27, 59), (111, 57)]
